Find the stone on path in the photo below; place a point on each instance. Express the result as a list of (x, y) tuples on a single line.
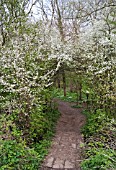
[(68, 164), (58, 163), (50, 162), (74, 145)]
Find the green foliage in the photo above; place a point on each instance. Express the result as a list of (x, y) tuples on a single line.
[(42, 148), (70, 97), (37, 123), (47, 128), (42, 123), (99, 134), (14, 155), (26, 132), (100, 159), (95, 122)]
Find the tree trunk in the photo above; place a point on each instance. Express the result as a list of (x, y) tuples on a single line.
[(64, 82), (58, 81), (77, 94), (71, 86), (80, 92)]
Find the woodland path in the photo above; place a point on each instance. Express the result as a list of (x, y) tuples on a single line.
[(65, 152)]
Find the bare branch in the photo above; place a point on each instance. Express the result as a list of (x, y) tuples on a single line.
[(34, 3)]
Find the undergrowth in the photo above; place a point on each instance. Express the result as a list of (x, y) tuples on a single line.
[(99, 134), (24, 149), (70, 97)]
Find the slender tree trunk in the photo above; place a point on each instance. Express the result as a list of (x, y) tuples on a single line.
[(64, 81), (80, 92), (77, 94), (71, 86), (58, 82)]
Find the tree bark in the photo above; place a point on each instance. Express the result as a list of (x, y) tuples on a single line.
[(80, 92), (71, 86), (58, 81), (64, 81)]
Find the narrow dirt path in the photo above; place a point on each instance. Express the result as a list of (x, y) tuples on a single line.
[(65, 152)]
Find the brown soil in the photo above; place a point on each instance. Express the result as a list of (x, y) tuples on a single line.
[(65, 152)]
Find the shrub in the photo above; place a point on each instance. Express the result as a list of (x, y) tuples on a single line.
[(100, 159), (95, 122), (14, 155), (99, 138)]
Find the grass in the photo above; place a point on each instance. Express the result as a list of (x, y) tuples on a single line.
[(70, 97)]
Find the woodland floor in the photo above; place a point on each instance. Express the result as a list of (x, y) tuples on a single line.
[(65, 152)]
